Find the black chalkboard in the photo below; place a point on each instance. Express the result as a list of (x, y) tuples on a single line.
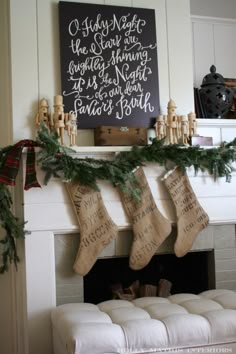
[(109, 70)]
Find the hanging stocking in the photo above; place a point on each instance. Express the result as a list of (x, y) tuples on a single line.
[(150, 227), (96, 227), (191, 218)]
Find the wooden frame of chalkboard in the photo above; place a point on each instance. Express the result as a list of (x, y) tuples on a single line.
[(109, 67)]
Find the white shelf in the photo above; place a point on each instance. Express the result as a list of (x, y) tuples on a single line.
[(100, 149), (216, 123), (219, 129)]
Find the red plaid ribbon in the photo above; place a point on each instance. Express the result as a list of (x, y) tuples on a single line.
[(10, 168)]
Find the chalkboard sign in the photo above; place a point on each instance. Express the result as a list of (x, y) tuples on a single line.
[(109, 68)]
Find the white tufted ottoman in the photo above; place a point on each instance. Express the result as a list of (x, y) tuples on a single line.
[(204, 322)]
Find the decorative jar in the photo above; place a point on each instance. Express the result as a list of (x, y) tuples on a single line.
[(216, 98)]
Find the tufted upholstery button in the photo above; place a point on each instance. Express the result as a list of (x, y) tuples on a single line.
[(145, 301), (121, 315), (200, 306), (159, 311), (179, 298)]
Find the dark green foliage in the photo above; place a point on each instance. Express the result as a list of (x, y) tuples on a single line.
[(59, 162), (13, 230)]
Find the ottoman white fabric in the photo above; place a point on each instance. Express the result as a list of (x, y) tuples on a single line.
[(148, 325)]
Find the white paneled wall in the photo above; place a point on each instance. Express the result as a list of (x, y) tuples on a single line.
[(213, 43), (203, 49), (5, 94), (180, 63), (217, 8), (24, 66), (225, 52)]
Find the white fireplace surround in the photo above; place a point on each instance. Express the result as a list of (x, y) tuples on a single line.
[(48, 213)]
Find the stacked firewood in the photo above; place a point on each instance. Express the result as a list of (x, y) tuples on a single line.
[(136, 290)]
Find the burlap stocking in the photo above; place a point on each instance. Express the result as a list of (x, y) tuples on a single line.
[(149, 226), (191, 218), (96, 227)]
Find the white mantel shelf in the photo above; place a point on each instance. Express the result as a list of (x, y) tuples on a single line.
[(216, 122), (219, 129), (90, 150)]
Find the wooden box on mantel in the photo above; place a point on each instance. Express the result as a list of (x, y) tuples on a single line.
[(120, 136)]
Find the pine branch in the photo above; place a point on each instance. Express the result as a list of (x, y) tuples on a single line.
[(14, 230)]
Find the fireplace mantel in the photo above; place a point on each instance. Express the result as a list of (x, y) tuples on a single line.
[(218, 197), (49, 213)]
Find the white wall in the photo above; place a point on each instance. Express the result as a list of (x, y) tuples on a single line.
[(215, 22), (213, 8), (216, 48), (5, 75), (7, 297)]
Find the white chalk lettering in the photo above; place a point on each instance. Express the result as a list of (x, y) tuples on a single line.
[(110, 66)]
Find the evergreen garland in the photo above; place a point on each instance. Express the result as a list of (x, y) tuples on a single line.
[(13, 230), (61, 162)]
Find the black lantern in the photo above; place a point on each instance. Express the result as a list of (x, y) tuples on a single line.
[(216, 98)]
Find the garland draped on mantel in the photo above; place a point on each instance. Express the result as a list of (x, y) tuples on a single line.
[(61, 162)]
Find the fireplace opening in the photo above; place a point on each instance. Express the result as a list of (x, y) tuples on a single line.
[(192, 273)]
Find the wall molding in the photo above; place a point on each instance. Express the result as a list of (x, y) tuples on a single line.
[(213, 20)]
